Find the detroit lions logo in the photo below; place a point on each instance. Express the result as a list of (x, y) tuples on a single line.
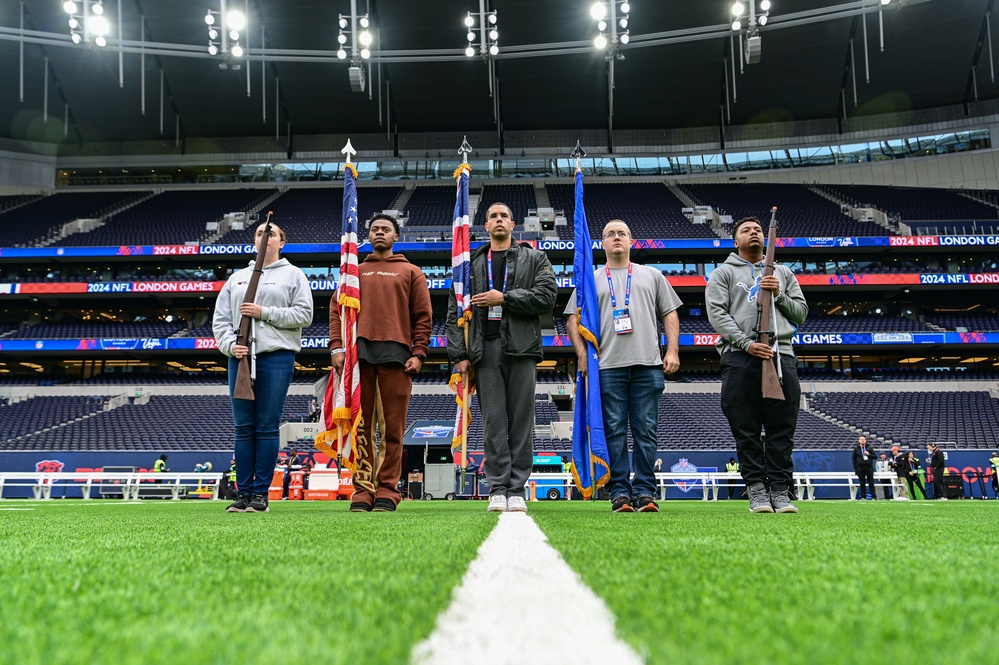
[(754, 291)]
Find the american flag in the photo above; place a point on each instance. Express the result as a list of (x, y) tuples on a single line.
[(342, 403), (461, 279)]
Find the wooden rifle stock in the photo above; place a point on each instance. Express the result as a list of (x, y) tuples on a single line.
[(244, 383), (765, 302)]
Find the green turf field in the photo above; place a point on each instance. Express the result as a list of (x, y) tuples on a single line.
[(163, 581)]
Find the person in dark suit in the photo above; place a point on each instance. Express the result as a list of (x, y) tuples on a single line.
[(863, 466), (938, 466)]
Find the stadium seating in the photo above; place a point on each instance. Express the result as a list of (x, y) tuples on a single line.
[(31, 223), (801, 212), (520, 199), (170, 218), (913, 203), (650, 210)]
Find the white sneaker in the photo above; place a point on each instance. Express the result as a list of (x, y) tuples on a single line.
[(497, 504), (516, 504)]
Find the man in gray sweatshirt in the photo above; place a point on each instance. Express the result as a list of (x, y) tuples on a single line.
[(731, 297)]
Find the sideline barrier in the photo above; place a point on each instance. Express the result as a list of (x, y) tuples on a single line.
[(131, 483)]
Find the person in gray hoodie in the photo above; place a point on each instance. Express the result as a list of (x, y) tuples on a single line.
[(283, 307), (731, 297)]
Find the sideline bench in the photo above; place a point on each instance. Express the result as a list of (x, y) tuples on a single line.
[(131, 483), (807, 482)]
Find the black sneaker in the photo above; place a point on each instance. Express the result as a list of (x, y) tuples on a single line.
[(258, 504), (646, 504), (239, 505), (622, 504), (360, 507), (384, 506)]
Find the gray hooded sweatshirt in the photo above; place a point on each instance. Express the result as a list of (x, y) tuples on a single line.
[(731, 300), (286, 307)]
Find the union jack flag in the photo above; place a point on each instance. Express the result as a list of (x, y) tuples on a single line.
[(461, 252), (342, 403), (461, 279)]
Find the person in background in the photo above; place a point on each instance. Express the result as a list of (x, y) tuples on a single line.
[(994, 463), (912, 475), (898, 465), (159, 466), (882, 466), (863, 466), (283, 307), (732, 468), (938, 468)]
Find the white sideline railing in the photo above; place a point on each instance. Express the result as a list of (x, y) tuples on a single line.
[(130, 483)]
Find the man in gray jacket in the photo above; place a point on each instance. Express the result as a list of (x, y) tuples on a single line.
[(731, 296), (512, 286)]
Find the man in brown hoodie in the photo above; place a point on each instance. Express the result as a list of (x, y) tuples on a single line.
[(393, 339)]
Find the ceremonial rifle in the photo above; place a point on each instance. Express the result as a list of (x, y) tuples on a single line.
[(764, 303), (244, 374)]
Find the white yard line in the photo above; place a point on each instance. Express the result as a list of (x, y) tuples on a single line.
[(519, 602)]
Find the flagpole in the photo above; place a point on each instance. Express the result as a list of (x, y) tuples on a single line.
[(464, 150), (578, 153)]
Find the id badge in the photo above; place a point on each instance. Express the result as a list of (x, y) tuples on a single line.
[(496, 312), (622, 322)]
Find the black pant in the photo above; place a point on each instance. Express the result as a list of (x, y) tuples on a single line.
[(866, 477), (914, 481), (748, 413), (938, 487)]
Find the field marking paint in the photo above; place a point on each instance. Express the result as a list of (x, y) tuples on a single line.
[(520, 602), (16, 508)]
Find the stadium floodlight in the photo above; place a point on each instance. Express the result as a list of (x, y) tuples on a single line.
[(235, 20), (738, 9), (100, 41), (97, 8), (73, 24), (482, 28), (765, 5), (737, 25), (600, 42), (341, 54), (625, 7), (365, 38), (885, 2), (625, 38), (237, 51), (233, 35), (341, 38), (764, 19), (365, 53), (69, 7), (598, 11), (363, 21), (623, 23), (76, 38), (343, 22), (602, 25), (213, 34), (98, 25), (210, 18), (213, 49)]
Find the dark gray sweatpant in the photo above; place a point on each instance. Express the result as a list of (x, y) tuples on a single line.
[(505, 386)]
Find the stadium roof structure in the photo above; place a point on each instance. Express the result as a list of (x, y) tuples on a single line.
[(676, 72)]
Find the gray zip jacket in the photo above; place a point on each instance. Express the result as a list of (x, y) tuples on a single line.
[(731, 300), (286, 301)]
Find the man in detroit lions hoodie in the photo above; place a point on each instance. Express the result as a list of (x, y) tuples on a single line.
[(731, 298)]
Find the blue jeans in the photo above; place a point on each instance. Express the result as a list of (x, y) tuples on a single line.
[(631, 393), (258, 421)]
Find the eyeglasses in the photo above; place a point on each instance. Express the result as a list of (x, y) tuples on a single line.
[(617, 234)]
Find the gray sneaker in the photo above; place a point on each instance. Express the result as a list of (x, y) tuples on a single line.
[(759, 499), (781, 502)]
